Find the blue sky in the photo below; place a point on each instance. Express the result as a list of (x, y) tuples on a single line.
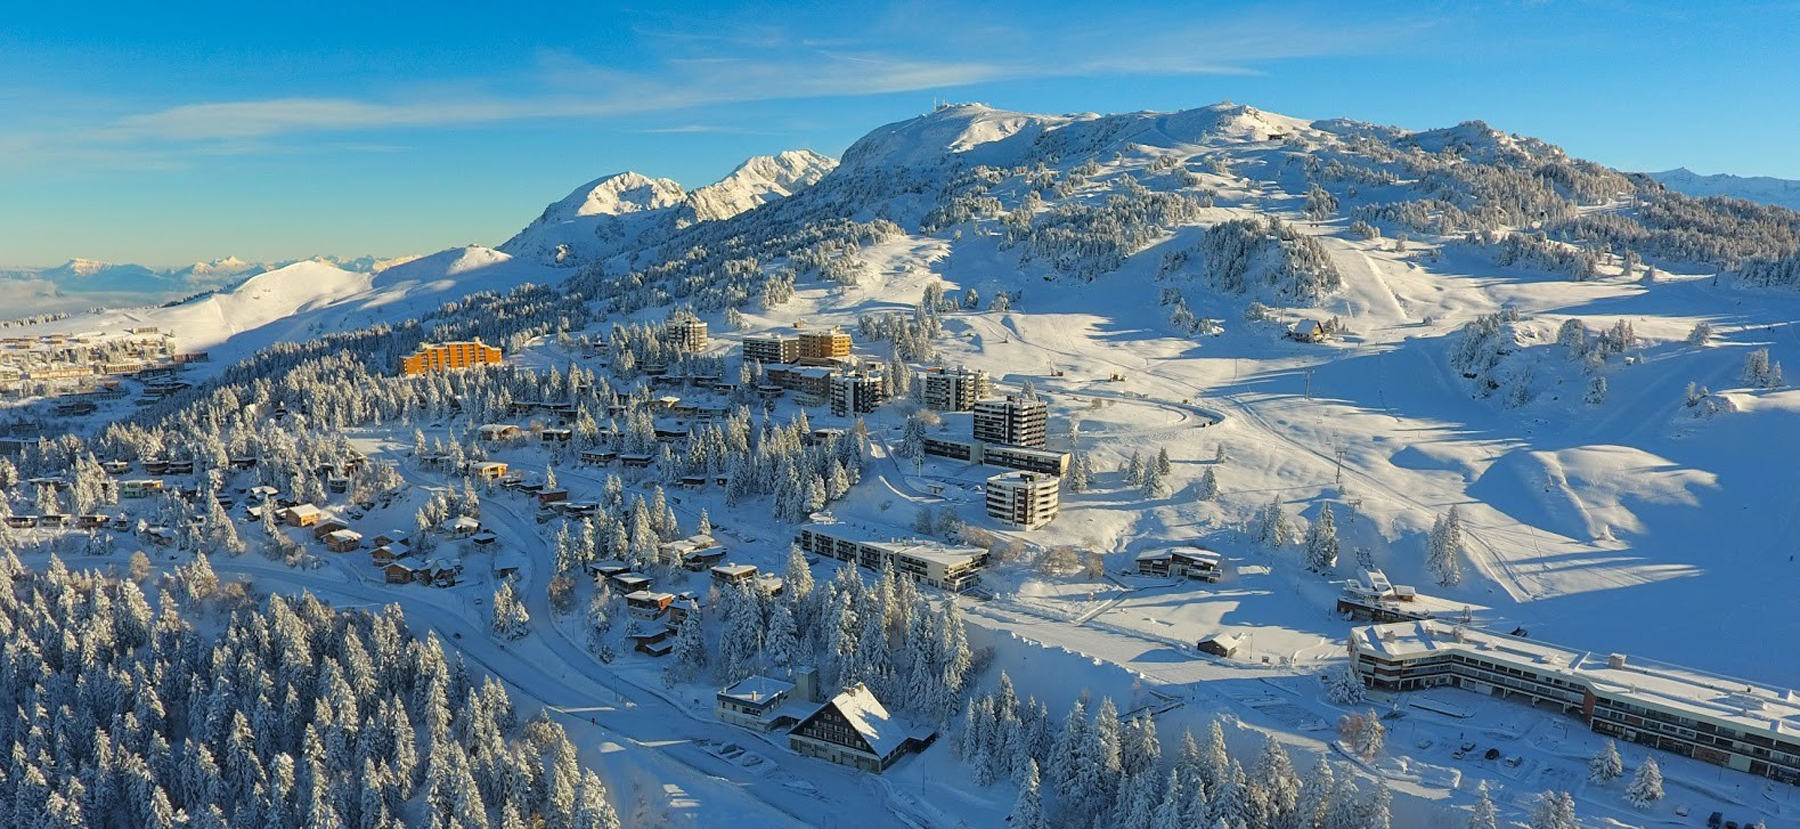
[(167, 133)]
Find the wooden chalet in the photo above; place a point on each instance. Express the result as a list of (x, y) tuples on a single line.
[(343, 541), (658, 642), (855, 729), (1222, 645), (302, 515), (645, 604)]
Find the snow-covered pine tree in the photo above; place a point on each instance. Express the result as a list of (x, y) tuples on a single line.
[(1363, 733), (1596, 391), (1274, 772), (1272, 527), (1155, 484), (1108, 755), (1081, 472), (1344, 686), (1316, 790), (1378, 811), (1208, 488), (1759, 371), (1065, 760), (510, 621), (1646, 785), (1483, 815), (1606, 766), (1322, 542), (1028, 808), (782, 645), (1446, 549), (1134, 470), (690, 649), (1554, 810)]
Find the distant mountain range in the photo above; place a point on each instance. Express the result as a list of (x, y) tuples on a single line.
[(1780, 192), (89, 276)]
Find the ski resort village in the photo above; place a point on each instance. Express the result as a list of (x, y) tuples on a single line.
[(1209, 468)]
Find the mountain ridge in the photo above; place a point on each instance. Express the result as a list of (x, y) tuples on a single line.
[(610, 214), (1781, 192)]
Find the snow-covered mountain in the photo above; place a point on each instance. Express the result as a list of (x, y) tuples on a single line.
[(757, 181), (610, 214), (1766, 189), (219, 271), (92, 275)]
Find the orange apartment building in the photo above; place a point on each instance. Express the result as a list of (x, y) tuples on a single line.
[(442, 356), (824, 345)]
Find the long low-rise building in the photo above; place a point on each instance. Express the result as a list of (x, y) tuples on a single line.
[(939, 565), (1721, 720)]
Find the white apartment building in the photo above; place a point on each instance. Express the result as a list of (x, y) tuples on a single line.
[(954, 391), (687, 333), (1011, 420), (772, 349), (854, 394), (1023, 500)]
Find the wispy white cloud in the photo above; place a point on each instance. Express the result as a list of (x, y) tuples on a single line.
[(700, 67), (695, 129)]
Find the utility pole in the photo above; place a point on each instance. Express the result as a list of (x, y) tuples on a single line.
[(1309, 384), (1339, 452)]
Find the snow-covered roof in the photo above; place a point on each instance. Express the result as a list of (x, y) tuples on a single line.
[(735, 570), (1376, 581), (648, 596), (462, 522), (871, 719), (1228, 641), (757, 690), (304, 509), (343, 535), (1198, 554)]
